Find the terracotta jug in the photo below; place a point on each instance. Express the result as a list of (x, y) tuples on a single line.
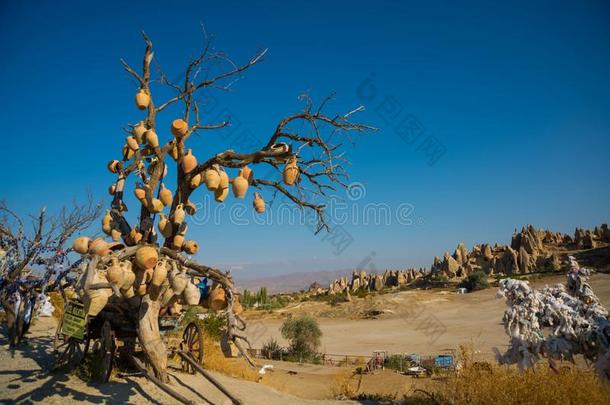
[(196, 180), (138, 132), (220, 194), (140, 193), (165, 226), (179, 128), (151, 138), (191, 294), (113, 166), (115, 234), (247, 174), (142, 99), (190, 246), (127, 152), (218, 299), (178, 241), (115, 274), (129, 276), (146, 257), (156, 206), (99, 247), (132, 143), (190, 208), (240, 186), (165, 195), (177, 279), (81, 245), (189, 162), (291, 171), (259, 203), (159, 273), (179, 214), (212, 178)]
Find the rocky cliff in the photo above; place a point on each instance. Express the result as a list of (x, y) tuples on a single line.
[(530, 250)]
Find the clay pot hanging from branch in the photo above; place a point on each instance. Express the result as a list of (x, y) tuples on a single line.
[(195, 181), (127, 152), (190, 247), (291, 171), (212, 178), (99, 247), (142, 99), (81, 245), (179, 214), (179, 128), (146, 257), (258, 203), (165, 226), (107, 223), (188, 162), (151, 138), (190, 208), (113, 166), (221, 193), (138, 132), (240, 185), (132, 143), (165, 195)]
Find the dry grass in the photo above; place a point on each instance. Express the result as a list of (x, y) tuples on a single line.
[(215, 360), (58, 304), (487, 383), (344, 384)]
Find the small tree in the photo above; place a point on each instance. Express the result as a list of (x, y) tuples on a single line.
[(477, 280), (304, 335)]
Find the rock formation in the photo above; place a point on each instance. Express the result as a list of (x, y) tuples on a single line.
[(530, 250)]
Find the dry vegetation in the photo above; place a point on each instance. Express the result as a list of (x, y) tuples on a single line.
[(486, 383), (215, 360)]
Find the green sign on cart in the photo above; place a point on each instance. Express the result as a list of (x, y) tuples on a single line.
[(75, 320)]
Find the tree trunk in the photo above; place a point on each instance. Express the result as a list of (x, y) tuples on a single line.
[(9, 303), (150, 338)]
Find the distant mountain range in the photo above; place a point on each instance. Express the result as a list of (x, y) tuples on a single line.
[(290, 282)]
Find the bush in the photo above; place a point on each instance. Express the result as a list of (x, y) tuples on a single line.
[(304, 335), (271, 349), (213, 324), (477, 280)]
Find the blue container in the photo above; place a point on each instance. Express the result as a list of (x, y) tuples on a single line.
[(443, 361)]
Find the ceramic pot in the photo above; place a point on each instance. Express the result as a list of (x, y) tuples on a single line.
[(142, 100), (291, 171), (188, 162), (165, 195), (146, 257), (190, 246), (81, 245), (240, 186), (259, 203), (179, 128)]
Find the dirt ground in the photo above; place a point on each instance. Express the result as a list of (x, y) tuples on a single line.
[(424, 322), (25, 378)]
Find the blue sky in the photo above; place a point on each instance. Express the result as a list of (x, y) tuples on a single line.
[(516, 94)]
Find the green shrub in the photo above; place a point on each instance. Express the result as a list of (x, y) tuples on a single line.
[(304, 335), (477, 280)]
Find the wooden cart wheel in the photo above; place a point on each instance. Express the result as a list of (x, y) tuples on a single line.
[(103, 354), (69, 352), (192, 344)]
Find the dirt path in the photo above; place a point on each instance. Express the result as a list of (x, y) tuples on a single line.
[(24, 378), (425, 322)]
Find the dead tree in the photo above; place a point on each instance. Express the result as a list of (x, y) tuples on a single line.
[(21, 251), (308, 160)]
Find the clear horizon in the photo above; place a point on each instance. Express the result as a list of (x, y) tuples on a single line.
[(514, 99)]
